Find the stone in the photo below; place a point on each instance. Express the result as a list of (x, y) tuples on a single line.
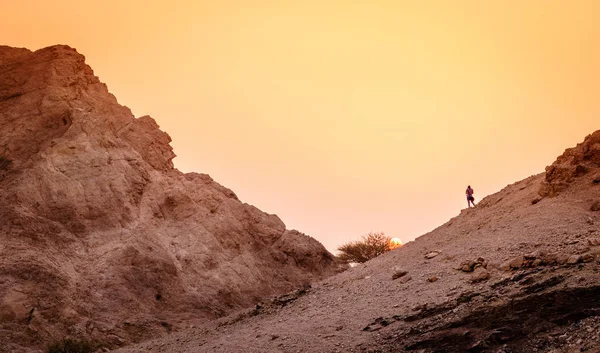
[(587, 257), (432, 279), (398, 272), (536, 262), (405, 279), (480, 275), (595, 206), (432, 254), (517, 262), (535, 255), (550, 258), (467, 266), (470, 265), (573, 259)]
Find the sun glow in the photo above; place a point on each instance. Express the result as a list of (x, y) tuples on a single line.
[(336, 90), (395, 243)]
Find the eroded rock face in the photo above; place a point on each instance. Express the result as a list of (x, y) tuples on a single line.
[(100, 237), (583, 159)]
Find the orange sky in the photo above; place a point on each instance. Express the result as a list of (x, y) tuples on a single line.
[(343, 117)]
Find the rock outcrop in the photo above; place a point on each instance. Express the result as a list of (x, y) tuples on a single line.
[(573, 163), (100, 237)]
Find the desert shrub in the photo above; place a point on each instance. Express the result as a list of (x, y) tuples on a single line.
[(370, 246), (68, 345), (4, 163)]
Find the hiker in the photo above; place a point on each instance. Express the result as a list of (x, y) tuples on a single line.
[(470, 198)]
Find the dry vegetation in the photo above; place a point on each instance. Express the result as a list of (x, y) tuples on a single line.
[(370, 246)]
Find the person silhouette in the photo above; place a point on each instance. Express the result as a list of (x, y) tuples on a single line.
[(470, 198)]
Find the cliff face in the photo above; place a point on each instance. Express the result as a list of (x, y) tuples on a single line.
[(100, 237)]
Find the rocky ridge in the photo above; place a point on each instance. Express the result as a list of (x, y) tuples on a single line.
[(573, 163), (519, 272), (100, 237)]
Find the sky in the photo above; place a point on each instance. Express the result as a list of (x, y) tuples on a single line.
[(343, 117)]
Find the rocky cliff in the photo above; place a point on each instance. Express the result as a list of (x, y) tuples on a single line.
[(100, 237)]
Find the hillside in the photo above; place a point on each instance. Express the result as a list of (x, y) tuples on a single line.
[(101, 238), (518, 273)]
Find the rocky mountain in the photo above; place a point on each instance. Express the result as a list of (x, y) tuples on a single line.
[(100, 237), (520, 272)]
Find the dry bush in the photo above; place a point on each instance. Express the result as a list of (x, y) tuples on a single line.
[(371, 246)]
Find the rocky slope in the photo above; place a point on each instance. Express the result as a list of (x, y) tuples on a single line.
[(520, 272), (100, 237)]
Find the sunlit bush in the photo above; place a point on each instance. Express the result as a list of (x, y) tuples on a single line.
[(370, 246)]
